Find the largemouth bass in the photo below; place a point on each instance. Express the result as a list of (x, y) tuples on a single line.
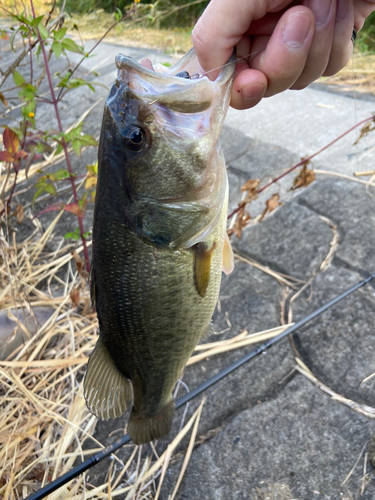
[(159, 237)]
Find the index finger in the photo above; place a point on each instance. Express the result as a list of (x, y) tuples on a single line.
[(223, 23)]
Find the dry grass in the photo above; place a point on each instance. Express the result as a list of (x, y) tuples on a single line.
[(358, 75), (94, 25), (44, 421)]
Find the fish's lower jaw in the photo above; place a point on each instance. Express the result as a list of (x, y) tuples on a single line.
[(145, 429)]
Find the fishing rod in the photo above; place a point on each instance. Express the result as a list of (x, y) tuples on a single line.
[(98, 457)]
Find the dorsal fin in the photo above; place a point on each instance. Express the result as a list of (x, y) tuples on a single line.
[(107, 392)]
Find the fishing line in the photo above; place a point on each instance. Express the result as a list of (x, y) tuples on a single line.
[(357, 132), (98, 457), (198, 75)]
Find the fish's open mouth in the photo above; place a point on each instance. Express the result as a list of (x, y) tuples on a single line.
[(172, 86)]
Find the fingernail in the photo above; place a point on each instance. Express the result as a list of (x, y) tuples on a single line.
[(321, 10), (252, 91), (296, 29)]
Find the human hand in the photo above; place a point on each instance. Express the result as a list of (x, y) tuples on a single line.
[(290, 45)]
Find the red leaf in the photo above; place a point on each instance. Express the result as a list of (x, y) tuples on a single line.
[(20, 154), (50, 208), (74, 209), (5, 156), (10, 140)]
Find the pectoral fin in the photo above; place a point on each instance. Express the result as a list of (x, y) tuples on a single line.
[(107, 392), (228, 257), (202, 267)]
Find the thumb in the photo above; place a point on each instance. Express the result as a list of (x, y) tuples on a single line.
[(222, 25)]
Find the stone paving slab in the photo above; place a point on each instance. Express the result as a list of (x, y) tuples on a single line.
[(294, 440), (353, 212)]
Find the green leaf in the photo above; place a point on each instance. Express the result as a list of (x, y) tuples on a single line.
[(92, 169), (36, 21), (11, 40), (61, 174), (75, 132), (75, 235), (18, 78), (36, 195), (58, 149), (20, 18), (38, 52), (28, 111), (64, 80), (27, 92), (59, 35), (88, 140), (43, 31), (76, 144), (71, 45), (50, 188), (41, 183), (118, 14), (57, 48), (82, 203)]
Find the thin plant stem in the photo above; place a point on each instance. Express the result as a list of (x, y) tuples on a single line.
[(304, 161), (63, 143), (125, 16)]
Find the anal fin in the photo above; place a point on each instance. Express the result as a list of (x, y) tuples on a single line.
[(107, 392)]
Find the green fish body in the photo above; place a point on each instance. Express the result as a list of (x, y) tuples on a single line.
[(158, 238)]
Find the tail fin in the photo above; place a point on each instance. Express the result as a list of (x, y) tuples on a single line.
[(144, 430), (106, 390)]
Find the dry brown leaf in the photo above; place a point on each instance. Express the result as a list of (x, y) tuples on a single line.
[(3, 100), (366, 129), (19, 213), (242, 217), (304, 178), (80, 265), (271, 204), (74, 296), (250, 185)]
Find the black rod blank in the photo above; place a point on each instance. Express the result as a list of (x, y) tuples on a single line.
[(98, 457)]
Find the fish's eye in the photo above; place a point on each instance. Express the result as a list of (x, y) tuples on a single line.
[(135, 138)]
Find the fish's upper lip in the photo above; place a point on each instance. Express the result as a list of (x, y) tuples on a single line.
[(124, 62)]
